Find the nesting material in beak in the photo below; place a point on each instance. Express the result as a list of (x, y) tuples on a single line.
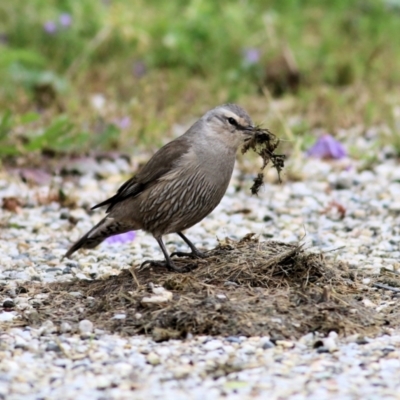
[(264, 143)]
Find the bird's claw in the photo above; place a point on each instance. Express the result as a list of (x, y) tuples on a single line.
[(193, 254)]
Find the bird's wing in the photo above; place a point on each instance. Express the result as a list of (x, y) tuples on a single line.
[(162, 162)]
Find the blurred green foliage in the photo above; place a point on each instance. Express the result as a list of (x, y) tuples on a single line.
[(160, 60)]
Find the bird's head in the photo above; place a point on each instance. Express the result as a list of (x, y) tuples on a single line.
[(229, 124)]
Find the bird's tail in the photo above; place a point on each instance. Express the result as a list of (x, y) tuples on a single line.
[(105, 228)]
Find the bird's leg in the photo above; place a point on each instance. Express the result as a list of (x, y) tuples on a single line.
[(168, 262), (195, 252)]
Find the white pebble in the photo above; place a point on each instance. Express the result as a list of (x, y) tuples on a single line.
[(85, 326)]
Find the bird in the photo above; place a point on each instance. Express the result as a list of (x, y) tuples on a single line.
[(179, 186)]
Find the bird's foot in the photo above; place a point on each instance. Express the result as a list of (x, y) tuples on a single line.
[(193, 254), (171, 266)]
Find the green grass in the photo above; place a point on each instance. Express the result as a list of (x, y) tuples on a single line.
[(162, 63)]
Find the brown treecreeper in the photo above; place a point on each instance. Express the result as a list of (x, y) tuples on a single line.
[(180, 185)]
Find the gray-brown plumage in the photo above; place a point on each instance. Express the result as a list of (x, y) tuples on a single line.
[(179, 186)]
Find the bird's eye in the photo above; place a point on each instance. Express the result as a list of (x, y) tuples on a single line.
[(232, 121)]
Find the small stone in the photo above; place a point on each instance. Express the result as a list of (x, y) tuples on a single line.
[(359, 214), (395, 207), (65, 327), (287, 344), (343, 181), (308, 339), (267, 345), (47, 327), (53, 347), (248, 349), (361, 340), (103, 382), (153, 358), (64, 215), (82, 277), (330, 342), (212, 345), (22, 346), (8, 304), (385, 246), (85, 327), (181, 372)]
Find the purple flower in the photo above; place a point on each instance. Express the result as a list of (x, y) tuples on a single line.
[(50, 27), (139, 69), (251, 56), (327, 147), (122, 238), (123, 123), (65, 20)]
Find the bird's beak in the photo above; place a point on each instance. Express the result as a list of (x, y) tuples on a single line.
[(248, 131)]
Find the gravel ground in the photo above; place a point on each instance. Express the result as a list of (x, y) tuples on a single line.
[(333, 206)]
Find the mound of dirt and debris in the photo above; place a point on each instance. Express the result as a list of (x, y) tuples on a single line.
[(244, 287)]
